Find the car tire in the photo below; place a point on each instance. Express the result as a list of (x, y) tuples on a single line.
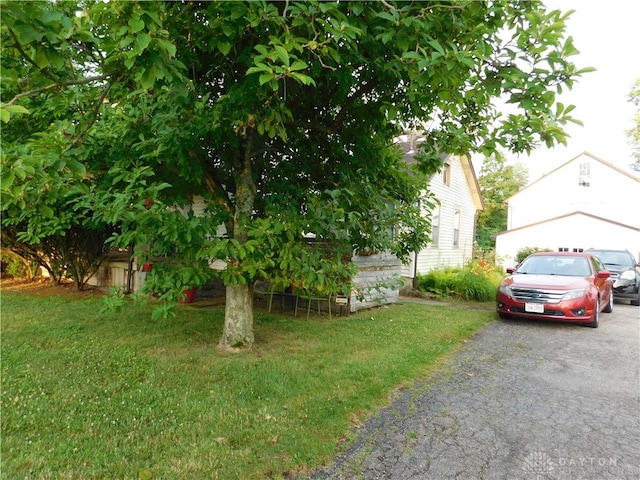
[(595, 320), (636, 302), (609, 307)]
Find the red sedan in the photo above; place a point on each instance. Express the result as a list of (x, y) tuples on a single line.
[(571, 287)]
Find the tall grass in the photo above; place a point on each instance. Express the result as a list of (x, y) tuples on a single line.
[(90, 395)]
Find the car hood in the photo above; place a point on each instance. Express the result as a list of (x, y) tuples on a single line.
[(617, 269), (551, 282)]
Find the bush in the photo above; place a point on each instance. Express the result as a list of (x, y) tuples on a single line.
[(77, 253), (477, 281), (15, 266)]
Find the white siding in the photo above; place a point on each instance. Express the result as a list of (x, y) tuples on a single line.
[(560, 193), (559, 209), (577, 231), (455, 196)]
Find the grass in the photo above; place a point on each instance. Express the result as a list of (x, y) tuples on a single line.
[(120, 396)]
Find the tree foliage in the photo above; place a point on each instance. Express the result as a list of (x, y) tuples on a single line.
[(498, 181), (279, 114), (634, 132)]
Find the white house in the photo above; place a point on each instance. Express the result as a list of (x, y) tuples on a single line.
[(453, 221), (585, 203)]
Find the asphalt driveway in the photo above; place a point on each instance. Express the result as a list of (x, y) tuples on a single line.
[(522, 400)]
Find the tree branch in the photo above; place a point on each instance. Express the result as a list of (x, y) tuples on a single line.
[(337, 122), (94, 116), (28, 58), (37, 91)]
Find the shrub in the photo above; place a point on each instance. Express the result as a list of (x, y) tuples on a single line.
[(15, 266), (477, 281)]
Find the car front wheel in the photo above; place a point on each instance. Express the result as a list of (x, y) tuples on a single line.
[(609, 307), (636, 302), (595, 320)]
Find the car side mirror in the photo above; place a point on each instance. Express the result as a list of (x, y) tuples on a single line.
[(603, 274), (510, 270)]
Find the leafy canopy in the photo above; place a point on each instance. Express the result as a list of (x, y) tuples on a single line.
[(279, 114), (634, 132)]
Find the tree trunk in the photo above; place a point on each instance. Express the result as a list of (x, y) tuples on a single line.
[(238, 322), (238, 317)]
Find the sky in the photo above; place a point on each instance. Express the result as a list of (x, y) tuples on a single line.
[(607, 34)]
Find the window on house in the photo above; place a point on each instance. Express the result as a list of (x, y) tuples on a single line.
[(584, 179), (456, 227), (446, 174), (435, 226)]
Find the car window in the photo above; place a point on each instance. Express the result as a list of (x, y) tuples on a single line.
[(575, 267), (536, 266), (556, 265), (621, 259)]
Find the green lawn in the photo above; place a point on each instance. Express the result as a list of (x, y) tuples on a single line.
[(89, 395)]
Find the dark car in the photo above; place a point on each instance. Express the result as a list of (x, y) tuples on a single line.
[(564, 286), (624, 270)]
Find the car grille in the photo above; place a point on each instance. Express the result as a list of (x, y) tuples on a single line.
[(547, 312), (538, 296)]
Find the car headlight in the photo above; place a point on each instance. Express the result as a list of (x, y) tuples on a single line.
[(628, 275), (571, 294), (505, 290)]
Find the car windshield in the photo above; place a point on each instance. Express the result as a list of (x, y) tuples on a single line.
[(620, 259), (555, 265)]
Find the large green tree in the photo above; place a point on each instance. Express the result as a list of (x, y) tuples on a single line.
[(280, 114), (498, 181)]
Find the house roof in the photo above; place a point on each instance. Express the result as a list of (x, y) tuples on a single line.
[(411, 143), (587, 154), (542, 222), (472, 180)]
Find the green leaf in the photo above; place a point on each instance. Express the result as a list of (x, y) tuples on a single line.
[(46, 211), (76, 167), (304, 79), (436, 46), (8, 176), (168, 46), (55, 58), (224, 47), (148, 78), (28, 34), (5, 111), (143, 40), (299, 65), (41, 58), (283, 55), (16, 109), (265, 78), (238, 11), (357, 8), (136, 24), (387, 16)]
